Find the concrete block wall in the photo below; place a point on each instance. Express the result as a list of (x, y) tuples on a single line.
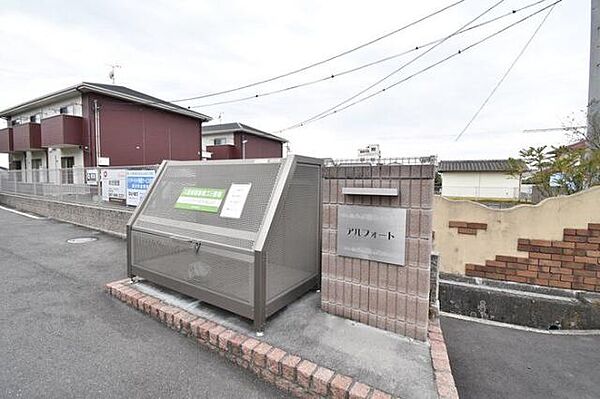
[(108, 220), (391, 297)]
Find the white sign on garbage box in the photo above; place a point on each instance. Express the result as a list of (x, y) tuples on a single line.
[(114, 184), (235, 200), (138, 182)]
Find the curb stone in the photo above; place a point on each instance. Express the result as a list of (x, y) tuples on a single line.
[(444, 380), (288, 372)]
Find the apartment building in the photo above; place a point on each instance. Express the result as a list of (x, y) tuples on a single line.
[(239, 141), (96, 124)]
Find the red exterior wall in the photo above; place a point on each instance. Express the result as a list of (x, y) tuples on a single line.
[(224, 151), (258, 147), (132, 134), (62, 129), (6, 140), (27, 136)]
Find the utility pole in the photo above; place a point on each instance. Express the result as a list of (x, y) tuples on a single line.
[(593, 114)]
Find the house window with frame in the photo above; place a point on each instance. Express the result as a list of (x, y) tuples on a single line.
[(64, 110), (219, 141), (35, 118)]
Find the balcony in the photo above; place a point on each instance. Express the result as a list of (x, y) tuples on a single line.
[(62, 131), (224, 151), (6, 140), (27, 137)]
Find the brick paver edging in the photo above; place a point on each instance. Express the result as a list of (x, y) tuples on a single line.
[(290, 373), (444, 380)]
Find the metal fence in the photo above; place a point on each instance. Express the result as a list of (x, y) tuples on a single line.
[(425, 160), (80, 185)]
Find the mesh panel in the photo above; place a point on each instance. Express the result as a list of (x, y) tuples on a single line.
[(292, 252), (218, 270), (175, 177)]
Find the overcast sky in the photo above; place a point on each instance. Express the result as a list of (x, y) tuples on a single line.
[(177, 49)]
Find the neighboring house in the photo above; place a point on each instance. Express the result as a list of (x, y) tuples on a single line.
[(239, 141), (481, 179), (95, 124)]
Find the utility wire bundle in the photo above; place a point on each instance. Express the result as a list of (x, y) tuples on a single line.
[(376, 88)]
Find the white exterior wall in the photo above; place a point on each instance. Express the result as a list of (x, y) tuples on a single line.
[(54, 161), (480, 185), (209, 139), (74, 102)]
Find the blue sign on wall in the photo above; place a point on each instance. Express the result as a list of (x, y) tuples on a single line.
[(138, 182)]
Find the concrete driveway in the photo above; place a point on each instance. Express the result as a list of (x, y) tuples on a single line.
[(62, 336)]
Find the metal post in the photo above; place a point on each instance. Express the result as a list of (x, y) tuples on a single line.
[(260, 292), (129, 253), (593, 114)]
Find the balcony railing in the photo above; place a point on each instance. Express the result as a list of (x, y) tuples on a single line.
[(62, 131), (27, 137), (6, 140)]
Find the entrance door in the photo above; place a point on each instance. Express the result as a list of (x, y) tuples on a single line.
[(66, 164)]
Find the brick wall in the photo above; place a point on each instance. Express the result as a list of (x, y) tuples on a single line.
[(467, 227), (386, 296), (573, 262)]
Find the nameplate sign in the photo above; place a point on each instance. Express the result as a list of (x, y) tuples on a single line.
[(373, 233)]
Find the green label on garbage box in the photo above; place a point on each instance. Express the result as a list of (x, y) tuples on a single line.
[(200, 199)]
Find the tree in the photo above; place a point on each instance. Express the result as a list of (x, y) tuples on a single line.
[(581, 128), (558, 170)]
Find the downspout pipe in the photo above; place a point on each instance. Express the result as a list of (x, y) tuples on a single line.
[(97, 131)]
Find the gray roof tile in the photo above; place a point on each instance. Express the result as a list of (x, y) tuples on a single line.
[(479, 165)]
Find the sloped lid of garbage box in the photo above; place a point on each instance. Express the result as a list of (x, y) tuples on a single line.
[(219, 202)]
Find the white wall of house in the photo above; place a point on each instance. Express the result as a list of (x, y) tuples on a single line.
[(76, 153), (73, 104), (480, 185), (209, 139), (55, 156)]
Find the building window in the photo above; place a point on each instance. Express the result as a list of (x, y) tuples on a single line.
[(35, 118), (64, 110), (219, 141), (14, 122)]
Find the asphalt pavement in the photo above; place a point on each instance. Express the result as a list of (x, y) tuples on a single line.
[(61, 336), (496, 362)]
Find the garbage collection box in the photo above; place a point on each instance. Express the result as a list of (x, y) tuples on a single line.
[(243, 235)]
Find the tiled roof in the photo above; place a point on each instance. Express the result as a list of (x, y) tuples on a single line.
[(479, 165), (238, 127)]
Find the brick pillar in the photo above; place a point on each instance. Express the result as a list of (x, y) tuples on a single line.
[(391, 297)]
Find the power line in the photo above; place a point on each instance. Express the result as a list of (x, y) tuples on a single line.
[(505, 74), (459, 52), (361, 92), (363, 66), (304, 68)]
